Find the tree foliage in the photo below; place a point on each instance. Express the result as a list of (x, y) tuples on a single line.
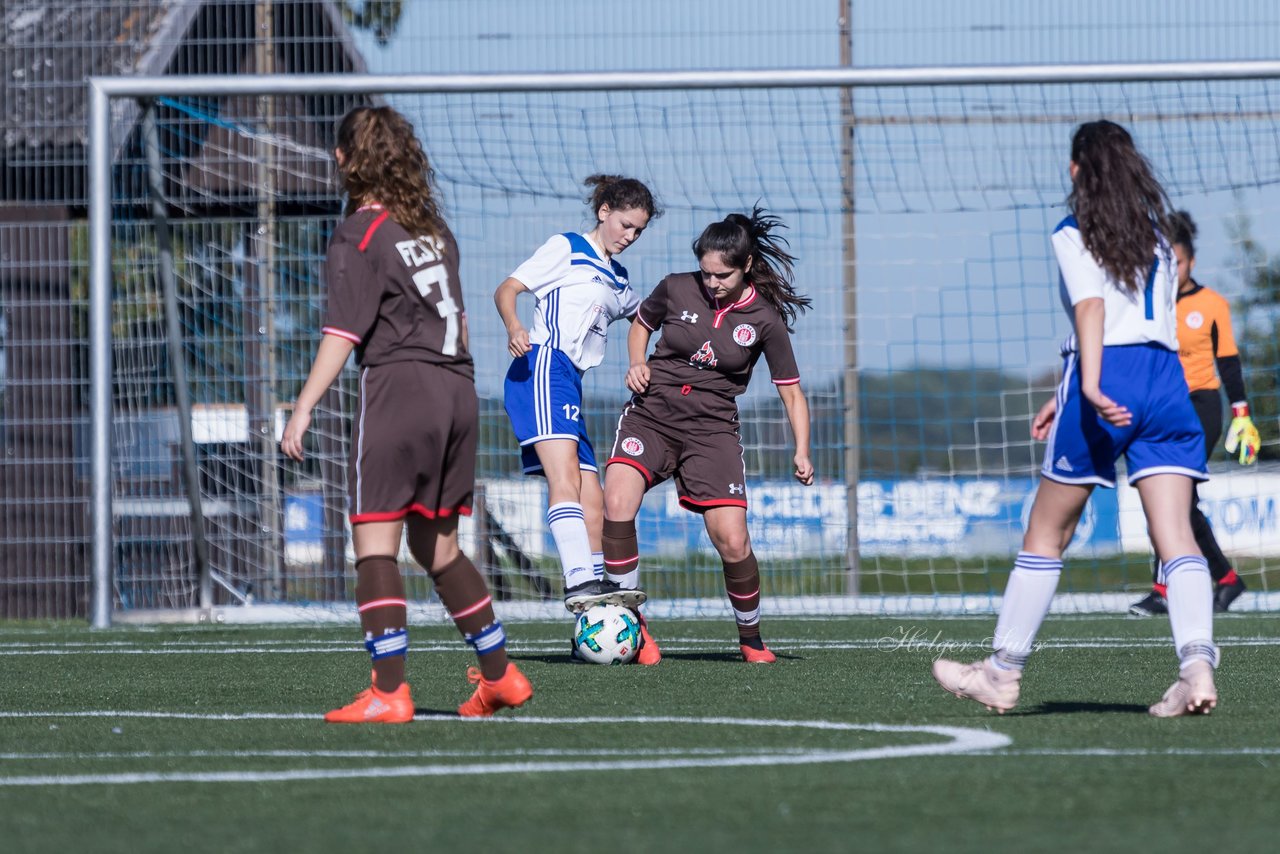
[(380, 17)]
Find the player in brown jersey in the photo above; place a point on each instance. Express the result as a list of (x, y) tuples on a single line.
[(1206, 342), (716, 322), (394, 298)]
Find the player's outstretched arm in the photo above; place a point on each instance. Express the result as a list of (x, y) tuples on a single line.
[(332, 355), (797, 407), (505, 299)]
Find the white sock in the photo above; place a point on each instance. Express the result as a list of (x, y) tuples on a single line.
[(1026, 602), (597, 565), (627, 580), (570, 533), (1190, 598)]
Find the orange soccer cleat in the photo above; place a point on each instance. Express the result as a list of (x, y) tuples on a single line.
[(649, 653), (372, 706), (751, 655), (512, 690)]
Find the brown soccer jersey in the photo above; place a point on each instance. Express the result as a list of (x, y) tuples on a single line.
[(685, 425), (396, 298), (712, 347)]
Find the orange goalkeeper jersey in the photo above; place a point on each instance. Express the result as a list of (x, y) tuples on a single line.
[(1204, 336)]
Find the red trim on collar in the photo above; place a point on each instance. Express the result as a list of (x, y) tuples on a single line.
[(742, 303)]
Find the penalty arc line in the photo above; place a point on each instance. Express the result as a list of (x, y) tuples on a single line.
[(961, 740)]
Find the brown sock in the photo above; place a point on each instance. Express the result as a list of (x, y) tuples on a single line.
[(621, 553), (742, 583), (461, 588), (380, 599)]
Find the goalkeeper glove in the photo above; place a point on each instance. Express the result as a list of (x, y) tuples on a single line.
[(1242, 434)]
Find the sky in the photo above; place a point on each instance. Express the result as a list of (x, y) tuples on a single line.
[(953, 264)]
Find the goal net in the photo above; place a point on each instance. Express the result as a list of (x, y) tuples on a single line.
[(920, 215)]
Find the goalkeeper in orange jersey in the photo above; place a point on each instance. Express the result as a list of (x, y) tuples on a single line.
[(1205, 341)]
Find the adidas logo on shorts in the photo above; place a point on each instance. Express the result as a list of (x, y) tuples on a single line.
[(1063, 463)]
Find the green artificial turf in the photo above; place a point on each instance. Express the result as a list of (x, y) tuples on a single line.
[(716, 763)]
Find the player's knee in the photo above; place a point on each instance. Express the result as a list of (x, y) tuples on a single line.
[(564, 485), (733, 547), (443, 560), (619, 507)]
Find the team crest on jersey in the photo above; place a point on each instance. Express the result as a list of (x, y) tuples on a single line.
[(705, 357), (1195, 320), (633, 446), (744, 334)]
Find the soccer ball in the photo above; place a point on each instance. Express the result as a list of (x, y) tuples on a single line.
[(606, 634)]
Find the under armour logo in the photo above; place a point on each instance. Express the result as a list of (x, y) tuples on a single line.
[(692, 318), (737, 489)]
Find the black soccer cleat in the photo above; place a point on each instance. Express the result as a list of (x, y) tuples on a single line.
[(1153, 604), (582, 596), (1225, 594)]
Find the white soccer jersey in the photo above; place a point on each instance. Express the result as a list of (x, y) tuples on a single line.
[(1149, 315), (578, 296)]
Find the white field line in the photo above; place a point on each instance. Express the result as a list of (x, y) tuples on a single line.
[(394, 754), (562, 752), (889, 643), (958, 740), (1137, 751)]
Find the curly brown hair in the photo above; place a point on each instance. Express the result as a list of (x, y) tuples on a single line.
[(621, 194), (1120, 207), (384, 162)]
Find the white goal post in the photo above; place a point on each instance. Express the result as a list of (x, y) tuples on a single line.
[(109, 96)]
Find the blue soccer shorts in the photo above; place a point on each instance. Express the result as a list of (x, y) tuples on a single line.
[(543, 398), (1164, 436)]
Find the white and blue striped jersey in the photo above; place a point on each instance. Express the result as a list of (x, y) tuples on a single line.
[(578, 296), (1146, 316)]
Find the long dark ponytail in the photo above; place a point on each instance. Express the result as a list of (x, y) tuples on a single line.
[(740, 238), (1118, 203)]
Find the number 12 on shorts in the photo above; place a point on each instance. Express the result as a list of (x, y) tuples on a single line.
[(571, 412)]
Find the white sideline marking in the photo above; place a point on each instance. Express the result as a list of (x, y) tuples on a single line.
[(961, 740), (396, 754), (1139, 751)]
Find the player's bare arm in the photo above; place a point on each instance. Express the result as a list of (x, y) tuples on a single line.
[(1090, 318), (331, 356), (1044, 419), (505, 299), (637, 347), (797, 406)]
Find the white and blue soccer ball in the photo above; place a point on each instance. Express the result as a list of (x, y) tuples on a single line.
[(606, 634)]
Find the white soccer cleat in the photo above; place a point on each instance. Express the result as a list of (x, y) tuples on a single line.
[(1193, 694), (981, 681)]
